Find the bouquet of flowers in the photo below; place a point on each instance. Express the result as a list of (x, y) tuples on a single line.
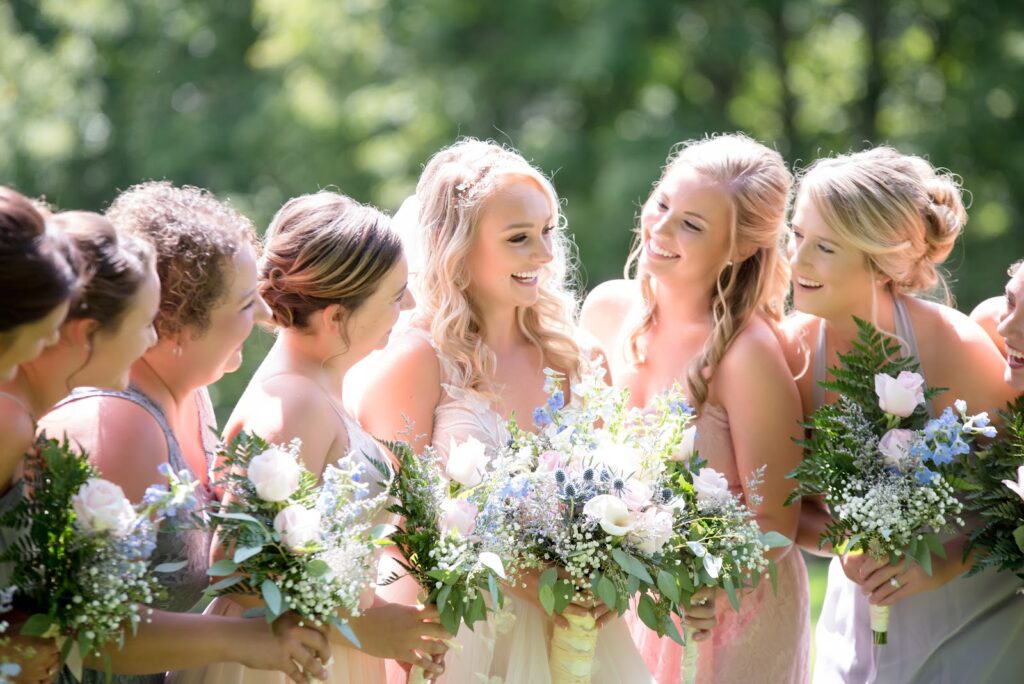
[(80, 552), (454, 558), (994, 485), (608, 507), (871, 456), (717, 543), (303, 547)]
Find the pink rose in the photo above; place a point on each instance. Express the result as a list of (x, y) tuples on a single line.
[(458, 515), (895, 447), (899, 396), (548, 462)]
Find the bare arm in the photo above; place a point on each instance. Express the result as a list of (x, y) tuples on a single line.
[(987, 316), (763, 405), (401, 392)]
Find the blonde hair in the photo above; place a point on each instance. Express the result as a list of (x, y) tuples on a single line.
[(324, 249), (896, 208), (758, 185), (452, 191)]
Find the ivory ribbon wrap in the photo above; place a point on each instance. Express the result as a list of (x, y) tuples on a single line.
[(879, 623), (572, 650), (689, 656)]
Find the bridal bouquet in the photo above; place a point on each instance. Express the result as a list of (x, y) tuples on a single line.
[(994, 485), (302, 546), (878, 461), (607, 508), (455, 559), (81, 550)]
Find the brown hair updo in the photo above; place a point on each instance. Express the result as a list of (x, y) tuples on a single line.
[(323, 249)]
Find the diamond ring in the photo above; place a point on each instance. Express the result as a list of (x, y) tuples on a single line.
[(895, 582)]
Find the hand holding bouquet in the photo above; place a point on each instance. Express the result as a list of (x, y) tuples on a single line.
[(871, 456), (81, 555), (302, 546)]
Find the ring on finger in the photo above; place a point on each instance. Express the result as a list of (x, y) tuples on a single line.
[(894, 582)]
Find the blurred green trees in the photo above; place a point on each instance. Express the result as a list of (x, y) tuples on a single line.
[(260, 100)]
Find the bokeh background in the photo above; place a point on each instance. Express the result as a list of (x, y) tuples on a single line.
[(261, 100)]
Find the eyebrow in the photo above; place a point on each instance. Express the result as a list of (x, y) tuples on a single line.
[(247, 295), (526, 224)]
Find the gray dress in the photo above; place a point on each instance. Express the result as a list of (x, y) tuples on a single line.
[(185, 587), (969, 630)]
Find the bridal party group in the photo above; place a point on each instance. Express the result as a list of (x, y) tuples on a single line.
[(743, 287)]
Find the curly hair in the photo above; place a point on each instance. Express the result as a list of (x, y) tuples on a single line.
[(195, 236), (452, 190), (758, 184)]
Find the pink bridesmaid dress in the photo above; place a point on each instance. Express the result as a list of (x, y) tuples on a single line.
[(768, 640)]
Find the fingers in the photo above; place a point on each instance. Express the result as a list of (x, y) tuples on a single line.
[(428, 613), (296, 675), (315, 643), (576, 609), (879, 579), (310, 664), (432, 630), (432, 647), (892, 591)]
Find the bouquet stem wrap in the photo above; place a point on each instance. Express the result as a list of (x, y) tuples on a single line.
[(879, 623), (572, 650), (689, 656)]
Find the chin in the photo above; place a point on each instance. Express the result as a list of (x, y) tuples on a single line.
[(1015, 378)]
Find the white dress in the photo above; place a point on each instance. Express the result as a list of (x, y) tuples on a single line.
[(348, 665), (512, 646)]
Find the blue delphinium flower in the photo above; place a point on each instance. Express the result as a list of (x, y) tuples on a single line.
[(926, 476), (541, 417), (556, 401)]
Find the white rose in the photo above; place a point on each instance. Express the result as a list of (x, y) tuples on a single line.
[(1018, 486), (467, 462), (895, 447), (458, 515), (637, 495), (711, 485), (611, 513), (686, 447), (620, 458), (297, 526), (102, 506), (653, 529), (899, 396), (275, 474)]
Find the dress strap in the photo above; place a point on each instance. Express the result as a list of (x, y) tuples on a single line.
[(20, 402), (905, 331), (135, 396), (819, 368)]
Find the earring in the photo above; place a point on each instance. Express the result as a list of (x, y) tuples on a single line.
[(176, 351)]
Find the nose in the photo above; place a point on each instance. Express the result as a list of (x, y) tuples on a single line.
[(408, 301), (1005, 321), (262, 311), (545, 253)]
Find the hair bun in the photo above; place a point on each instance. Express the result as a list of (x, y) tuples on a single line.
[(944, 216)]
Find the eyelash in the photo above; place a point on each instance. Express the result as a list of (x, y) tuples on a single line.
[(249, 305), (686, 224), (518, 239), (797, 237)]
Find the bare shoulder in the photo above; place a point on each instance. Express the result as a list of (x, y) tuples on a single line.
[(756, 350), (987, 315), (408, 363), (606, 305), (121, 438), (19, 433), (284, 407), (944, 325)]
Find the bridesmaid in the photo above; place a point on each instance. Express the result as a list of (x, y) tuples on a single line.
[(334, 277), (37, 279), (108, 325), (202, 308), (703, 311), (869, 232), (494, 311), (991, 312)]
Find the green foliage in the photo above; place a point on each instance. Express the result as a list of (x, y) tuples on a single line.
[(262, 100), (999, 540)]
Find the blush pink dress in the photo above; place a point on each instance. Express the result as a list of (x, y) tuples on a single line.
[(768, 640)]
